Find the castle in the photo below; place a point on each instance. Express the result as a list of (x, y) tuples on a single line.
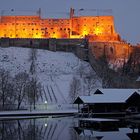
[(98, 28)]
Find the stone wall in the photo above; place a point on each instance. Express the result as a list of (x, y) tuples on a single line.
[(77, 46), (112, 50)]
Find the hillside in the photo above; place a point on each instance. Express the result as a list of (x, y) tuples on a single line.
[(55, 71)]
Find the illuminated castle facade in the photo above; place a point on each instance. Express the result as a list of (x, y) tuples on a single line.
[(98, 28)]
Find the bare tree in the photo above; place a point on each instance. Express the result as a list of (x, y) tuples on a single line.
[(105, 73), (91, 81), (21, 81), (33, 91), (81, 70), (34, 87), (32, 59), (75, 87), (6, 87)]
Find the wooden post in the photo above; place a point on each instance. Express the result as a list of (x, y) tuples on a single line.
[(78, 108)]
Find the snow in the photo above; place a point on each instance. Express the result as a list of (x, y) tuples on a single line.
[(55, 70), (117, 63), (99, 119), (35, 114), (106, 135), (10, 113), (138, 79), (109, 96)]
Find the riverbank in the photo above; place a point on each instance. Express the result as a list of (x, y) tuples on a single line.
[(36, 113)]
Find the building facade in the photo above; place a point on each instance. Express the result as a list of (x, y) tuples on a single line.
[(97, 28)]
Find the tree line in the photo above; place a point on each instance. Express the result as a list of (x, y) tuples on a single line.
[(18, 90)]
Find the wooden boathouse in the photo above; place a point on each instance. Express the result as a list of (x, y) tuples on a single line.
[(109, 100)]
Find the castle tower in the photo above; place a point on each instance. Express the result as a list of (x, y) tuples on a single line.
[(71, 12)]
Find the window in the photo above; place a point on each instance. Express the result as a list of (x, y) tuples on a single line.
[(111, 49)]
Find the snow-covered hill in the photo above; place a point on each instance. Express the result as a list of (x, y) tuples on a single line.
[(55, 71)]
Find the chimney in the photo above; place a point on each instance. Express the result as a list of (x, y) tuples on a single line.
[(71, 12)]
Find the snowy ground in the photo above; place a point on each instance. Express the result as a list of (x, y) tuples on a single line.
[(55, 71), (38, 113)]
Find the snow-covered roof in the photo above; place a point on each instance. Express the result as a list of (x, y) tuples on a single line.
[(138, 79), (118, 91), (109, 96)]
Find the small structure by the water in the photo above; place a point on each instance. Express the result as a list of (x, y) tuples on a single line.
[(109, 100), (138, 82)]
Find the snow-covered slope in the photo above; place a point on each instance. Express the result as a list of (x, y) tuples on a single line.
[(55, 70)]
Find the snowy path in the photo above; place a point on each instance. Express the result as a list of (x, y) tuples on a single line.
[(37, 113)]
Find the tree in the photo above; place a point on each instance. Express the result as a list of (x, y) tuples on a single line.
[(91, 80), (34, 87), (33, 91), (81, 70), (32, 59), (6, 87), (21, 81), (75, 87), (104, 71)]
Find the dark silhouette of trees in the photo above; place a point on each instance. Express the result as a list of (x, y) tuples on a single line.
[(21, 81), (6, 88), (75, 87)]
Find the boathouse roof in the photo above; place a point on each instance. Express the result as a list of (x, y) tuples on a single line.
[(108, 96), (138, 79)]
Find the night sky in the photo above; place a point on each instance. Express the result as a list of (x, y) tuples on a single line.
[(126, 12)]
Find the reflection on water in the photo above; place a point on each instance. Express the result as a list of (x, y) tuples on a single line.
[(61, 129)]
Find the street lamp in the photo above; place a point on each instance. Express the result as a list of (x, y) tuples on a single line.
[(45, 104), (46, 124)]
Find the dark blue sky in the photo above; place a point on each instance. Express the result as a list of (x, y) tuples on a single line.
[(126, 12)]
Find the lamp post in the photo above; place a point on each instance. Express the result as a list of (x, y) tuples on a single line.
[(45, 104)]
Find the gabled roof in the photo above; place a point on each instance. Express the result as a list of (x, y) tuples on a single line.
[(107, 96), (138, 79)]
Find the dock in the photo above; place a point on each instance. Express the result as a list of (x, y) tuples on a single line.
[(103, 115), (99, 124)]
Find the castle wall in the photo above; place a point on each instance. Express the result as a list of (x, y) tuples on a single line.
[(97, 27), (113, 50), (57, 28), (20, 27)]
